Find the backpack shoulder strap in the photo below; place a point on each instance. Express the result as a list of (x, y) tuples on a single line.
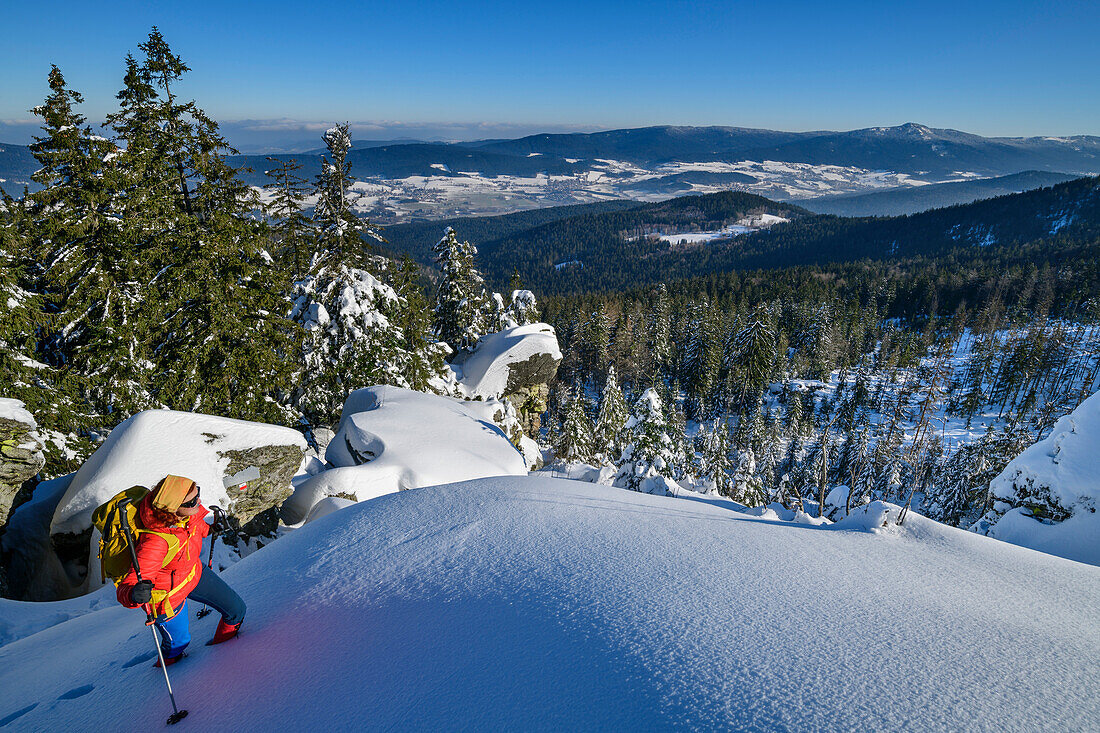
[(172, 540)]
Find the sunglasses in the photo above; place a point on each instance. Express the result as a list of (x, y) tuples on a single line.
[(193, 502)]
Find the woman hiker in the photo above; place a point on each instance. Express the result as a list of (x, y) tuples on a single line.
[(173, 508)]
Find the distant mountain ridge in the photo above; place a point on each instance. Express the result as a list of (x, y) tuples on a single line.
[(914, 199), (930, 154)]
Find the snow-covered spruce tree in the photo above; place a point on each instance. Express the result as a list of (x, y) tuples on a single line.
[(714, 464), (819, 343), (423, 363), (523, 309), (20, 312), (701, 360), (48, 392), (752, 356), (461, 299), (351, 340), (747, 487), (682, 462), (215, 299), (957, 493), (660, 337), (497, 315), (574, 442), (649, 452), (611, 419)]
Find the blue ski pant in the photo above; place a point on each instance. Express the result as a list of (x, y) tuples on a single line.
[(214, 592)]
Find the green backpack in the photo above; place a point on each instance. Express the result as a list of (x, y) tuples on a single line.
[(114, 551)]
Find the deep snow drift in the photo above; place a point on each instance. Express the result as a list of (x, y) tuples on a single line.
[(391, 439), (532, 603)]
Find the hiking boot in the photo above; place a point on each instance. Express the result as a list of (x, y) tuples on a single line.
[(224, 632), (169, 661)]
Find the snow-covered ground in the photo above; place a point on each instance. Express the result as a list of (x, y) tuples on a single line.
[(744, 226), (530, 603)]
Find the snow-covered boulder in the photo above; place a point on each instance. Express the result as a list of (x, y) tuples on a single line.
[(524, 603), (508, 360), (327, 506), (390, 439), (152, 444), (1047, 497), (517, 365), (20, 453)]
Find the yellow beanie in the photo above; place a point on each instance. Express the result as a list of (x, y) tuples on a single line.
[(170, 492)]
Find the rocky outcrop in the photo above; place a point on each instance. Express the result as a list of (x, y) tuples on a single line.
[(277, 465), (141, 451), (20, 453), (530, 402), (517, 365)]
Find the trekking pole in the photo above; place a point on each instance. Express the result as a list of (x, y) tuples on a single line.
[(177, 714), (210, 563)]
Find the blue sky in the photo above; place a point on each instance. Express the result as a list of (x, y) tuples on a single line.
[(463, 70)]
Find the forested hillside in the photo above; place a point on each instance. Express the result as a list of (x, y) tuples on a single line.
[(610, 251)]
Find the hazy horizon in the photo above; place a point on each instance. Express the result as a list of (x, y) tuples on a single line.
[(434, 71)]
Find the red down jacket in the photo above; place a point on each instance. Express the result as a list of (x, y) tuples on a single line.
[(173, 582)]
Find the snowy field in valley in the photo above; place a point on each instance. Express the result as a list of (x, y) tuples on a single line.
[(531, 603), (744, 226), (469, 193)]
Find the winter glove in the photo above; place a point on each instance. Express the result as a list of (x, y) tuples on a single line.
[(142, 592), (220, 523)]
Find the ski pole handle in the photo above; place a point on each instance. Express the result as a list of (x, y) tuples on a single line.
[(213, 535)]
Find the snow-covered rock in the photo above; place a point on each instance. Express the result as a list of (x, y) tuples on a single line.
[(150, 445), (20, 453), (1047, 497), (327, 506), (523, 603), (506, 361), (516, 365), (390, 439)]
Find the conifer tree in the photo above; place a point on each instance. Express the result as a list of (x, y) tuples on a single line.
[(660, 347), (93, 271), (20, 312), (340, 227), (682, 460), (753, 356), (523, 308), (291, 229), (611, 420), (348, 313), (702, 358), (423, 365), (497, 315), (574, 442), (218, 294), (747, 487), (649, 452), (714, 464), (461, 299)]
